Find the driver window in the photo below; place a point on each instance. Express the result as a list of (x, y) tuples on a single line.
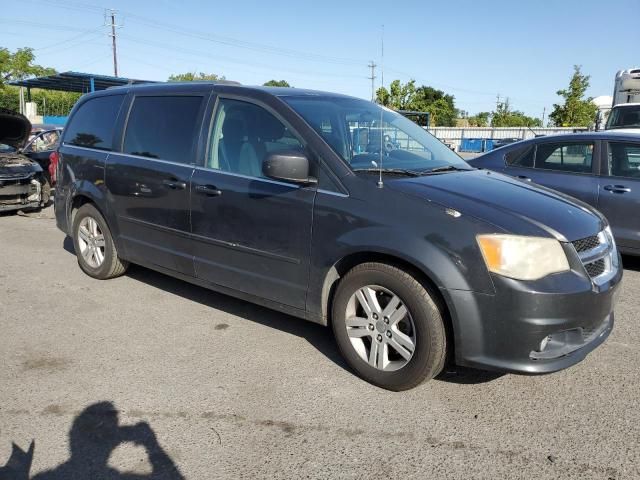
[(45, 141), (243, 135)]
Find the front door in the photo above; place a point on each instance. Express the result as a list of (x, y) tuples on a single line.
[(619, 195), (251, 233), (149, 181)]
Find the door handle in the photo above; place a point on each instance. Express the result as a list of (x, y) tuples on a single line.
[(525, 178), (617, 188), (174, 184), (208, 190)]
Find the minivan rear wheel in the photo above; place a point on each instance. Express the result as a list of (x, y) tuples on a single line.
[(388, 327), (96, 252)]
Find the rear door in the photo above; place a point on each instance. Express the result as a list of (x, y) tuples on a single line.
[(619, 198), (251, 234), (149, 180), (567, 166)]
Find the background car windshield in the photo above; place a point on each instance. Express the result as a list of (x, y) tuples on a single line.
[(365, 134), (624, 117)]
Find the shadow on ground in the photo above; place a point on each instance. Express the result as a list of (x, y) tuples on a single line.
[(317, 335), (95, 433)]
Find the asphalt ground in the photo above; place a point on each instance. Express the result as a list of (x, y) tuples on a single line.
[(162, 379)]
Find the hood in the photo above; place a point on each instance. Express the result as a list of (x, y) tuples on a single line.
[(14, 128), (511, 205)]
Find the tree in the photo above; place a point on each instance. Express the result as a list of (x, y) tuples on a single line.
[(423, 99), (480, 119), (195, 77), (19, 65), (276, 83), (576, 110), (505, 117)]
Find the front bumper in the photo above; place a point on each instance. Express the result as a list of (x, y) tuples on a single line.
[(19, 193), (533, 327)]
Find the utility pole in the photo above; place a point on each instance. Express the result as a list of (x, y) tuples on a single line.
[(112, 16), (372, 66), (544, 111), (497, 101)]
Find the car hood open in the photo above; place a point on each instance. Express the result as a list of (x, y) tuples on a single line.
[(14, 128), (509, 204)]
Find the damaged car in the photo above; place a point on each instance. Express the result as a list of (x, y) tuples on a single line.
[(23, 184)]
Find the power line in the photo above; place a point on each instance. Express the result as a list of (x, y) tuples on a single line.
[(202, 54)]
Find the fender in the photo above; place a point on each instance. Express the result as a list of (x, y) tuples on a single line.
[(444, 268)]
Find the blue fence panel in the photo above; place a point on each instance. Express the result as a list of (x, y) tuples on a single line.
[(53, 120), (488, 145), (471, 145)]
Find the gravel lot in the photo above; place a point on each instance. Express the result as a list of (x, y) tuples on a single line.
[(219, 388)]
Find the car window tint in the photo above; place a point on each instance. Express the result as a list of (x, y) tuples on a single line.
[(163, 127), (565, 157), (243, 135), (521, 157), (624, 159), (93, 124)]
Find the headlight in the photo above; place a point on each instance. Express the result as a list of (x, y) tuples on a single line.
[(522, 258)]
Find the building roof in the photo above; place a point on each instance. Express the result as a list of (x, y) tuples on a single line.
[(76, 82)]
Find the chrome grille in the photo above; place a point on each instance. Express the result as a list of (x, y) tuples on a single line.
[(585, 244), (598, 255), (595, 268)]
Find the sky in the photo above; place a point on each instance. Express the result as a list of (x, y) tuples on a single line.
[(474, 50)]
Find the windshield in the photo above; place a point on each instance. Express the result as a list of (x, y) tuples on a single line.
[(624, 117), (368, 136)]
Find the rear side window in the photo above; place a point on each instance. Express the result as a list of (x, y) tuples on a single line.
[(566, 157), (624, 159), (521, 157), (93, 124), (163, 127)]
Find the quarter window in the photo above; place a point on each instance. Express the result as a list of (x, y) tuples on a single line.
[(567, 157), (243, 135), (624, 159), (522, 157), (93, 124), (163, 127)]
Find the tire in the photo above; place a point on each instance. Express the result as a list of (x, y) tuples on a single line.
[(104, 264), (393, 366)]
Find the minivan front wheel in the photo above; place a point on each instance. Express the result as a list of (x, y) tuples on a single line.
[(96, 252), (388, 327)]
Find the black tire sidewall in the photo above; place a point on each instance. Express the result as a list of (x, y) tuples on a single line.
[(102, 272), (427, 321)]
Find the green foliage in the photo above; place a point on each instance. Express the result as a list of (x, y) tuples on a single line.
[(276, 83), (50, 102), (19, 65), (505, 117), (424, 99), (576, 111), (195, 77), (480, 119)]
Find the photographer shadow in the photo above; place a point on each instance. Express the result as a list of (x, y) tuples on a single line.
[(95, 434)]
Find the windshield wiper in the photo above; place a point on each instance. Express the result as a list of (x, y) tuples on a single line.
[(397, 171), (444, 168)]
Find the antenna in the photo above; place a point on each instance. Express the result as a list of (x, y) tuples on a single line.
[(382, 57), (380, 183)]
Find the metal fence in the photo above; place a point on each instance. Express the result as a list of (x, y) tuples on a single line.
[(455, 136)]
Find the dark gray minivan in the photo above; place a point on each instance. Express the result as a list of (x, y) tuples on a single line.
[(341, 212)]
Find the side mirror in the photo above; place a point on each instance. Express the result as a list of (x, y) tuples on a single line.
[(289, 166)]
